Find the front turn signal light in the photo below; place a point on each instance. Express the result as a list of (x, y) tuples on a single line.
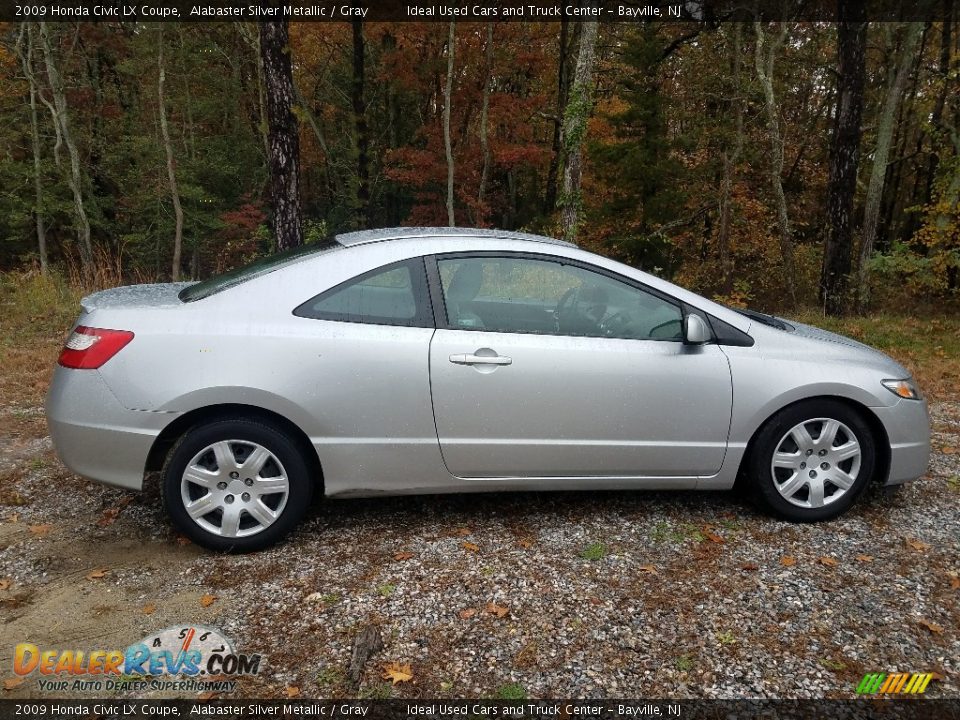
[(903, 388)]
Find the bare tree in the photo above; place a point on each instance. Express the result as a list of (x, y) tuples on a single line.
[(881, 154), (731, 154), (484, 112), (283, 134), (447, 145), (575, 117), (765, 59), (62, 118), (171, 163), (844, 155), (26, 59)]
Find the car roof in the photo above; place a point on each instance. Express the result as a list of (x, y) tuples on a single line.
[(362, 237)]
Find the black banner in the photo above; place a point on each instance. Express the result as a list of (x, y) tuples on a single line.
[(114, 709), (706, 11)]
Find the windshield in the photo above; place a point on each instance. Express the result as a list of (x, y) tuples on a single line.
[(258, 267)]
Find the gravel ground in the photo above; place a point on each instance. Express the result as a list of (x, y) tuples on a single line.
[(681, 595)]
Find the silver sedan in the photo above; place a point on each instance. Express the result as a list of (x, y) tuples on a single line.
[(438, 360)]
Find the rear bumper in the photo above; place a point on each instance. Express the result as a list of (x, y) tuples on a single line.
[(908, 429), (94, 435)]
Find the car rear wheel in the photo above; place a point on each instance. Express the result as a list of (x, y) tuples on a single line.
[(811, 461), (236, 485)]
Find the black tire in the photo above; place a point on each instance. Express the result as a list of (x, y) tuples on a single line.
[(287, 460), (761, 475)]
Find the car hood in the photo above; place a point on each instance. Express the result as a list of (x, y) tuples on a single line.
[(128, 296), (857, 351)]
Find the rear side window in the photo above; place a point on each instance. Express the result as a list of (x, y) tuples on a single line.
[(392, 295)]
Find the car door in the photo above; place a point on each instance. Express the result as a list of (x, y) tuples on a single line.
[(546, 368)]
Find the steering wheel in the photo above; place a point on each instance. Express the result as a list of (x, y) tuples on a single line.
[(614, 324), (678, 332)]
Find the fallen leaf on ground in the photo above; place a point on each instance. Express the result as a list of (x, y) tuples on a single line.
[(13, 518), (788, 560), (40, 530), (750, 567), (5, 583), (498, 610), (948, 450), (828, 561), (110, 514), (11, 683), (710, 535), (524, 542), (595, 601), (97, 574), (149, 609), (463, 532), (648, 569), (208, 600), (292, 691), (917, 545), (931, 626), (954, 579), (397, 673), (403, 556), (864, 558), (937, 677), (467, 613), (472, 547), (183, 540)]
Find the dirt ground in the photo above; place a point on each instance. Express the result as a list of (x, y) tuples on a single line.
[(681, 595)]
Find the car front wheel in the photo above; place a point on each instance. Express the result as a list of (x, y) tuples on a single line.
[(811, 461), (236, 485)]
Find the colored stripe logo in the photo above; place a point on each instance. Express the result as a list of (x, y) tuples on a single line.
[(894, 683)]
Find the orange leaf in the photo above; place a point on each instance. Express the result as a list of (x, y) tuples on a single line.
[(948, 450), (467, 613), (828, 561), (97, 574), (397, 673), (931, 626), (648, 569), (498, 610), (11, 683), (463, 532), (525, 542), (208, 600), (788, 560), (40, 530), (472, 547), (917, 545), (110, 514), (865, 558), (149, 609), (5, 583), (954, 580), (292, 691), (403, 556), (710, 535)]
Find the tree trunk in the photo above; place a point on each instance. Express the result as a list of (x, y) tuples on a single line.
[(62, 117), (563, 88), (731, 153), (844, 156), (575, 117), (765, 57), (448, 148), (943, 70), (283, 135), (484, 140), (888, 113), (26, 59), (362, 205), (171, 164)]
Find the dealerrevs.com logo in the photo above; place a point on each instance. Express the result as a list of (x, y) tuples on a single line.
[(202, 656), (894, 683)]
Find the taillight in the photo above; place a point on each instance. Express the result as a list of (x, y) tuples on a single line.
[(88, 348)]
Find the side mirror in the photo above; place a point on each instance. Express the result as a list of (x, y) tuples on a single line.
[(695, 330)]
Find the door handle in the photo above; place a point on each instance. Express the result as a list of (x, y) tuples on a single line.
[(464, 359)]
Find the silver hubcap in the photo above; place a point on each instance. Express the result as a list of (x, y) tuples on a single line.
[(234, 488), (816, 463)]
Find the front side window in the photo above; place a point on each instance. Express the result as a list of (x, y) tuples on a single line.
[(392, 295), (526, 295)]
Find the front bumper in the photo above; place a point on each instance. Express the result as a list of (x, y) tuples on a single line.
[(907, 424), (94, 435)]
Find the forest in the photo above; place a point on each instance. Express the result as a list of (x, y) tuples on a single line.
[(780, 165)]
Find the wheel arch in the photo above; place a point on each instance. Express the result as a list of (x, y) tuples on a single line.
[(232, 411), (874, 423)]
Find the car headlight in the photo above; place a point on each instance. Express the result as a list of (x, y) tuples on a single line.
[(906, 389)]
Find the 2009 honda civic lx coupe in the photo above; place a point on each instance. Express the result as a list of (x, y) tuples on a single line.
[(438, 360)]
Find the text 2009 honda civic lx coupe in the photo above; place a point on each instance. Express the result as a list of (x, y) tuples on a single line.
[(449, 360)]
